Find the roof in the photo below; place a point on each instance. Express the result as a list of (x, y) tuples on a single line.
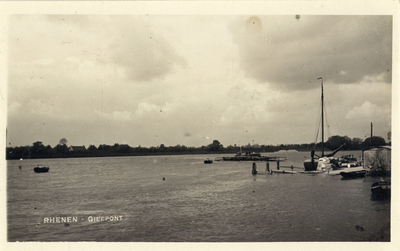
[(77, 148), (376, 147)]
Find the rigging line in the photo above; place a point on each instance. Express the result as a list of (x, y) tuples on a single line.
[(316, 136), (318, 123), (317, 129), (337, 124), (327, 123)]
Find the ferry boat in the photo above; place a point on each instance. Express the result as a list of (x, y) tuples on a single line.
[(252, 156)]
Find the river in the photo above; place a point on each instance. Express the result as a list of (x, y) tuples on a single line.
[(180, 199)]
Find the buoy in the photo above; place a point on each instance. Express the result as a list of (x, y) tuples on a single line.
[(163, 178)]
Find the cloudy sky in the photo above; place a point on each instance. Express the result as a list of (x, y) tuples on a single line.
[(161, 79)]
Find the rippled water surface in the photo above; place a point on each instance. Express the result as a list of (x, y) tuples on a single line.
[(180, 199)]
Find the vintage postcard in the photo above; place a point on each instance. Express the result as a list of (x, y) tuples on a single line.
[(199, 125)]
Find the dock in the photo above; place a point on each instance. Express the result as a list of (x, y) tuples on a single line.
[(279, 169)]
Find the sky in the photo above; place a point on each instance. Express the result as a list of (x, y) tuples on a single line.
[(190, 79)]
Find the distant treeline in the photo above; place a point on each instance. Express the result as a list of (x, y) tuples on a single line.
[(39, 150)]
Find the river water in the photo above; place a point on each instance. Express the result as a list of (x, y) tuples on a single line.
[(180, 199)]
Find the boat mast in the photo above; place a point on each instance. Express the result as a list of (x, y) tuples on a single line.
[(322, 114), (371, 134)]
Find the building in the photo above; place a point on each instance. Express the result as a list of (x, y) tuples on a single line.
[(378, 159), (77, 148)]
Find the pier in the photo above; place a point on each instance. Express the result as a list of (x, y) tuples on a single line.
[(269, 170)]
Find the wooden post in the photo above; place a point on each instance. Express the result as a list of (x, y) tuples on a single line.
[(277, 165), (267, 168), (254, 170)]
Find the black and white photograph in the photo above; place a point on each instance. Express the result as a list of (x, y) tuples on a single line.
[(206, 123)]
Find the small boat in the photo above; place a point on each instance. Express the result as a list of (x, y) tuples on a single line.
[(353, 174), (381, 189), (39, 169), (208, 161)]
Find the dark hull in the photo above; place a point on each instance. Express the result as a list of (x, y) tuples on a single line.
[(208, 162), (381, 189), (310, 166), (354, 174), (41, 169)]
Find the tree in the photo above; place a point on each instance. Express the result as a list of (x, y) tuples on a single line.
[(63, 141), (38, 148), (104, 147), (124, 148), (374, 141), (38, 144), (61, 149), (356, 143), (336, 141), (215, 146)]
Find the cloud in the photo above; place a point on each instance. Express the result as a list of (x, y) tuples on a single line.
[(291, 53), (36, 108), (367, 111), (143, 54), (358, 120), (191, 79), (145, 108)]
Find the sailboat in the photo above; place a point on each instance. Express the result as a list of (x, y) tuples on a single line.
[(323, 162)]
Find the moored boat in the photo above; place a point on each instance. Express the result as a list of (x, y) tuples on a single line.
[(324, 162), (381, 189), (40, 169), (208, 161), (353, 174), (348, 160)]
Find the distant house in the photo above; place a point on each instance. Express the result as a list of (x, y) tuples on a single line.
[(77, 148)]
